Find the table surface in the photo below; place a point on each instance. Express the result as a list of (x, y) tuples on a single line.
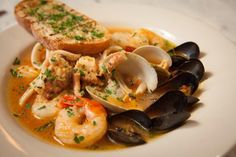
[(220, 14)]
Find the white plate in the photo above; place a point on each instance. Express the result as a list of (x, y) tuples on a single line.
[(211, 129)]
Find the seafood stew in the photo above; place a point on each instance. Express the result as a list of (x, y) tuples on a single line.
[(84, 101)]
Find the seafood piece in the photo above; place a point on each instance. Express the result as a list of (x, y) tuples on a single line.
[(112, 61), (183, 81), (169, 121), (81, 126), (134, 76), (154, 55), (183, 52), (55, 76), (129, 128), (38, 55), (128, 40), (193, 66), (137, 67), (27, 72), (154, 39), (169, 111), (172, 101), (158, 58), (139, 37), (43, 108), (86, 69)]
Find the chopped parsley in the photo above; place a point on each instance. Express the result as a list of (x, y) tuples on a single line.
[(48, 73), (21, 87), (43, 2), (70, 112), (119, 99), (79, 38), (77, 99), (33, 11), (104, 97), (42, 107), (132, 96), (94, 123), (104, 68), (53, 59), (97, 34), (41, 16), (78, 139), (14, 73), (27, 106), (56, 17), (58, 8), (45, 126), (77, 18), (65, 22), (108, 91), (16, 61), (81, 72)]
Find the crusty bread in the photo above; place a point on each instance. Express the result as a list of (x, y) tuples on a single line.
[(58, 26)]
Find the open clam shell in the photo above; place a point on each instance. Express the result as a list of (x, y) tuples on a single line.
[(154, 55), (158, 58), (133, 66)]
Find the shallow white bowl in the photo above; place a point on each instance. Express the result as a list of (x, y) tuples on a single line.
[(211, 129)]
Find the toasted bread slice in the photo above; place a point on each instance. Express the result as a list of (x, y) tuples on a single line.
[(57, 26)]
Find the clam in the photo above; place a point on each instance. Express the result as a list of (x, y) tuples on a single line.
[(129, 128), (134, 67), (158, 58)]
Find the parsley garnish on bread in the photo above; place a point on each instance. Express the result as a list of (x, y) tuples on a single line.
[(57, 26)]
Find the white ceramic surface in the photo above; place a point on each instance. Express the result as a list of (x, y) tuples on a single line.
[(211, 128)]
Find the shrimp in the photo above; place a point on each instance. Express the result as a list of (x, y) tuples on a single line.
[(81, 125), (43, 108)]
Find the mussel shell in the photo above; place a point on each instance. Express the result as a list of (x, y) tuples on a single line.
[(191, 100), (169, 121), (193, 66), (121, 137), (177, 61), (181, 79), (172, 101), (189, 50), (128, 127)]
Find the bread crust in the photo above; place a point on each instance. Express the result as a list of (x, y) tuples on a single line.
[(83, 47)]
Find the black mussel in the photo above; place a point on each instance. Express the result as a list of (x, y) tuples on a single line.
[(191, 100), (193, 66), (172, 101), (129, 127), (169, 111), (184, 81), (177, 61), (169, 121), (189, 50)]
